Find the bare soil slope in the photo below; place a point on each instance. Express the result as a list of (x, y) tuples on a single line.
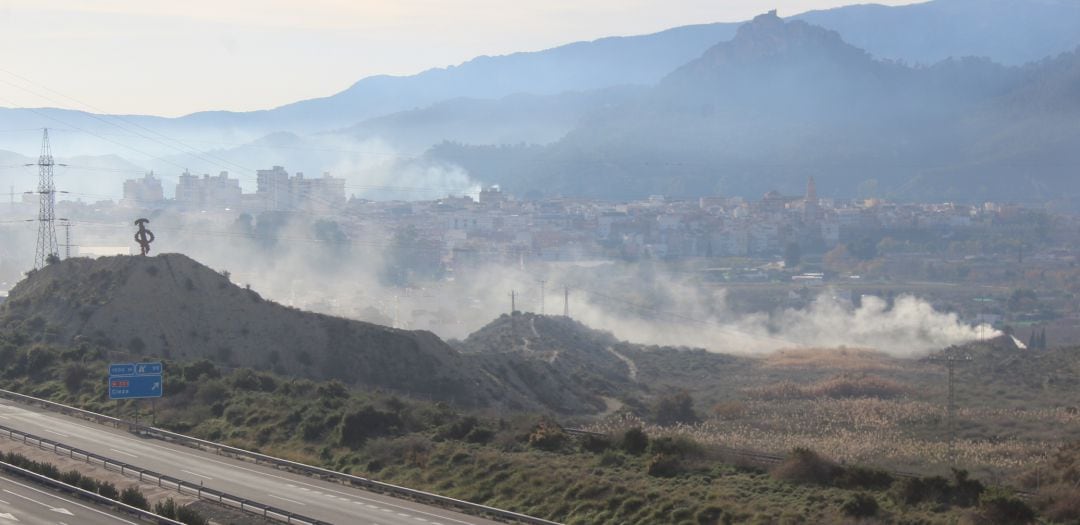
[(171, 306)]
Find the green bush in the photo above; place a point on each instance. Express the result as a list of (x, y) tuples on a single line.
[(864, 478), (108, 490), (860, 505), (132, 496), (166, 508), (190, 517), (1000, 507), (664, 466), (913, 491), (71, 478), (806, 466), (634, 441), (363, 423), (547, 436), (595, 444)]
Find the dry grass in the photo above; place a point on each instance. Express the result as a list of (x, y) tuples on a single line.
[(865, 431), (844, 386), (839, 359)]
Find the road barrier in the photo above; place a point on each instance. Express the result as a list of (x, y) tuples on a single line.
[(181, 486), (369, 484), (86, 494)]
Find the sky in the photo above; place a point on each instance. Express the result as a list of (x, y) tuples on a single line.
[(173, 58)]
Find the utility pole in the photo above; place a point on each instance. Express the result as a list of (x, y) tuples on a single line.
[(566, 302), (951, 359), (513, 304), (46, 239), (542, 283)]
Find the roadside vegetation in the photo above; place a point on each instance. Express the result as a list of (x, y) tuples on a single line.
[(129, 495), (636, 472)]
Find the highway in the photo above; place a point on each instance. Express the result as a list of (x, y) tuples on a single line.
[(23, 502), (322, 500)]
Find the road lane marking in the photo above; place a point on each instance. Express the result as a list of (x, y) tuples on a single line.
[(77, 504), (286, 499), (197, 474), (180, 450), (125, 454), (27, 498), (61, 434), (8, 517)]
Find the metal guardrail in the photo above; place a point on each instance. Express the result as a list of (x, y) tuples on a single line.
[(224, 498), (86, 494), (370, 484)]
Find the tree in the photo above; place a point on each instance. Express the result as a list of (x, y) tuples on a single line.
[(792, 255), (675, 408), (864, 249)]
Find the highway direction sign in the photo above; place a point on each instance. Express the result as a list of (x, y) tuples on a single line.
[(134, 387), (122, 369), (135, 380), (144, 369)]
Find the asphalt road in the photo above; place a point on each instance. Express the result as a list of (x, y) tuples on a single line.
[(24, 503), (322, 500)]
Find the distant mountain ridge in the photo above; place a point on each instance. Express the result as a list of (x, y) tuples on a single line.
[(1007, 31), (785, 99)]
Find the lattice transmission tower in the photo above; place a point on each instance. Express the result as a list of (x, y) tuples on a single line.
[(46, 238)]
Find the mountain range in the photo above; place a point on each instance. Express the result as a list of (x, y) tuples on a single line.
[(556, 97), (784, 100)]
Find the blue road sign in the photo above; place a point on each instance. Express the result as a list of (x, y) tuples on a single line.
[(122, 369), (145, 369), (134, 387)]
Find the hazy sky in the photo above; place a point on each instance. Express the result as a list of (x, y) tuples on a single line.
[(172, 58)]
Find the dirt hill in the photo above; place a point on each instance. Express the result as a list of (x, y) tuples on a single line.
[(567, 364), (171, 306)]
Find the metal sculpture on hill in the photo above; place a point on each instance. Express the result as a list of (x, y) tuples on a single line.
[(144, 237)]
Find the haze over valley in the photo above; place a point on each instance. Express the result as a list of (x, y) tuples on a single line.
[(812, 265)]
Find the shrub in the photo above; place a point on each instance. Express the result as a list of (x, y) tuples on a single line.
[(132, 496), (913, 491), (663, 466), (166, 508), (806, 466), (108, 490), (865, 478), (634, 441), (1001, 507), (73, 376), (88, 484), (677, 446), (611, 458), (363, 423), (965, 491), (860, 505), (711, 515), (190, 517), (1060, 504), (595, 444), (674, 409), (547, 436), (71, 477)]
